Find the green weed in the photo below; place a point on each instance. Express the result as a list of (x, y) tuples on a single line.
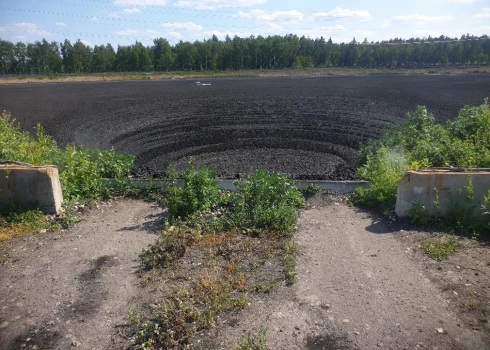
[(200, 192), (418, 143), (265, 202), (441, 248), (81, 170), (289, 260), (308, 190), (253, 342), (419, 214), (17, 224)]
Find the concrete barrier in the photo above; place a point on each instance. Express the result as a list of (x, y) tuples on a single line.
[(229, 185), (440, 189), (30, 187)]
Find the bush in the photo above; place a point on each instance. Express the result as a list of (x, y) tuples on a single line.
[(18, 145), (81, 170), (200, 192), (384, 169), (265, 202), (420, 142)]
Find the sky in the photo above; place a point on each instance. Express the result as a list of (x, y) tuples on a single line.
[(122, 22)]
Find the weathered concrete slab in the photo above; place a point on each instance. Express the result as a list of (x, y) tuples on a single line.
[(30, 187), (439, 189)]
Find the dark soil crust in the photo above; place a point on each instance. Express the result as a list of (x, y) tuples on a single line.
[(309, 128)]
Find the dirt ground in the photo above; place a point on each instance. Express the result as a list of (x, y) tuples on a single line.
[(362, 283), (60, 289), (302, 126)]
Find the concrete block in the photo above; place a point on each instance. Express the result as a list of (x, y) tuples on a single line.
[(445, 186), (30, 187)]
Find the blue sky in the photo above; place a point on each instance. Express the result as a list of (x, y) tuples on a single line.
[(124, 21)]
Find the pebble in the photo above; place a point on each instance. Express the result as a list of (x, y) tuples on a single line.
[(76, 344), (29, 323), (4, 324), (345, 321), (440, 330)]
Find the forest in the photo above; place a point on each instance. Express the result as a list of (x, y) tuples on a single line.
[(272, 52)]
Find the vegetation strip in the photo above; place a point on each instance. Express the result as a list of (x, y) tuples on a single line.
[(272, 52), (421, 143), (216, 250)]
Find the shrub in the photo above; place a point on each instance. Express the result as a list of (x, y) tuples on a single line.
[(384, 169), (81, 170), (265, 201), (18, 145), (200, 192), (420, 142)]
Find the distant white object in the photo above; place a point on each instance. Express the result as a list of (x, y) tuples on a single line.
[(206, 84), (198, 83)]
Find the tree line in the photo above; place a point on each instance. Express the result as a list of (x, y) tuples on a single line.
[(272, 52)]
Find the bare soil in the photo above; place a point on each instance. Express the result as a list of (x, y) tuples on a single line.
[(362, 283), (306, 127), (77, 286)]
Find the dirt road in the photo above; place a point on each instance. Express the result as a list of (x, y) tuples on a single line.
[(76, 287), (357, 288)]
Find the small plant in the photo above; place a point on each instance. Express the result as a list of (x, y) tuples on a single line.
[(441, 248), (17, 223), (265, 202), (171, 327), (254, 342), (384, 170), (309, 190), (200, 192), (419, 214), (289, 260), (176, 240)]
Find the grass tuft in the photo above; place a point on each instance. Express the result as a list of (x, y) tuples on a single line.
[(441, 248)]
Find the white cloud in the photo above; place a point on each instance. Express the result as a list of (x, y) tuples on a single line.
[(60, 24), (25, 28), (188, 26), (343, 13), (217, 4), (94, 19), (484, 14), (128, 32), (418, 19), (140, 2), (20, 37), (132, 10), (337, 32), (114, 15), (87, 43), (172, 35), (464, 1), (261, 15)]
